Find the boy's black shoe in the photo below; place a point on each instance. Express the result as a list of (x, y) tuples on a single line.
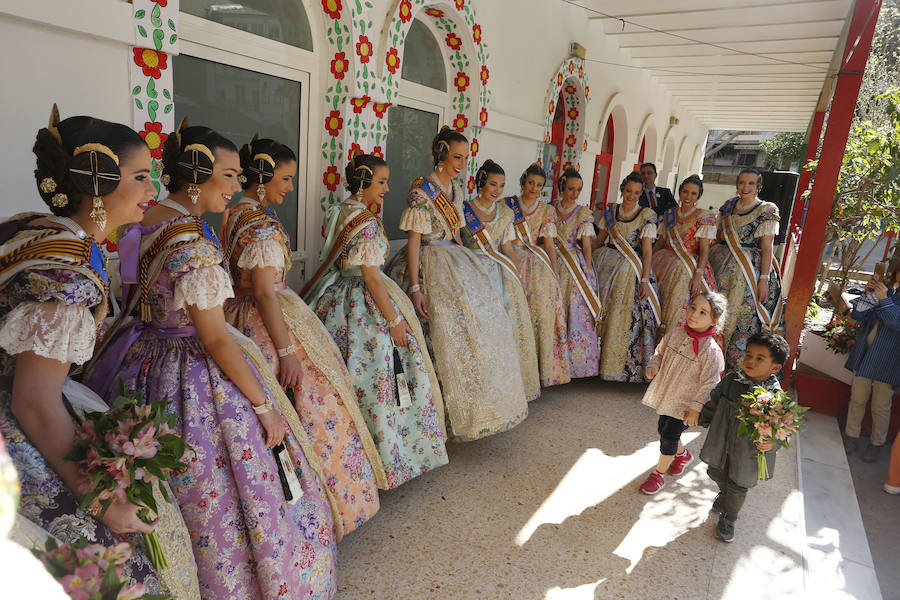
[(725, 530)]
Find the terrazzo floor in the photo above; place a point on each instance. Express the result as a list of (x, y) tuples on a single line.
[(551, 510)]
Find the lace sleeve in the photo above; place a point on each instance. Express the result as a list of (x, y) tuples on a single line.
[(586, 229), (262, 254), (649, 231), (63, 332), (766, 228), (203, 287), (416, 219), (548, 230), (364, 250), (509, 235)]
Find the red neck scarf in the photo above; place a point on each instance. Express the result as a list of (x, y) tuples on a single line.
[(696, 335)]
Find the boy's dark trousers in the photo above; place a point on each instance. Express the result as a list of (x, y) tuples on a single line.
[(732, 495)]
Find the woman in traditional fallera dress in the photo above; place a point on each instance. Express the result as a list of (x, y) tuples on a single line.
[(489, 233), (575, 230), (293, 341), (534, 255), (747, 228), (94, 176), (627, 285), (470, 332), (253, 536), (681, 253), (374, 324)]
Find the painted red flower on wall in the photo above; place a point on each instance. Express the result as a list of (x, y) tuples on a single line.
[(570, 89), (377, 151), (364, 49), (331, 178), (580, 72), (476, 33), (392, 60), (485, 75), (461, 81), (405, 11), (332, 8), (155, 138), (547, 138), (473, 148), (573, 113), (568, 165), (334, 122), (483, 116), (540, 161), (460, 122), (453, 41), (152, 62), (551, 107), (585, 145), (380, 108), (354, 148), (359, 103), (571, 68), (470, 185), (162, 3), (559, 78), (460, 4), (587, 91), (570, 140), (340, 65), (434, 12)]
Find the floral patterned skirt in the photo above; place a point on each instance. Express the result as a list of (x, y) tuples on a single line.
[(327, 421), (584, 351), (249, 542), (628, 334), (675, 286), (410, 440)]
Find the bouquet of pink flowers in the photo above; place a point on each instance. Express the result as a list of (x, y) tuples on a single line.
[(840, 335), (92, 571), (768, 415), (123, 453)]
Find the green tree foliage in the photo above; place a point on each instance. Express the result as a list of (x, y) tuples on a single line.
[(783, 149)]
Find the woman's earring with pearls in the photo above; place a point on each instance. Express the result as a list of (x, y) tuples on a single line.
[(193, 192), (98, 213)]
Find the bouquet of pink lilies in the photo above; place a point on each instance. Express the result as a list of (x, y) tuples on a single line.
[(123, 453), (768, 415)]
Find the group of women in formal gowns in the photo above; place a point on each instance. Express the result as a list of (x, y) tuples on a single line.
[(360, 384)]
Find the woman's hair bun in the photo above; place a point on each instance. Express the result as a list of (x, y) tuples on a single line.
[(533, 169), (188, 155), (260, 157), (440, 145), (488, 168), (360, 170), (568, 174)]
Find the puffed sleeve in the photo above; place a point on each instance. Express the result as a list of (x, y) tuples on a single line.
[(548, 230), (53, 317), (509, 234), (649, 228), (263, 247), (417, 214), (586, 227), (364, 248), (200, 280), (770, 219), (707, 227)]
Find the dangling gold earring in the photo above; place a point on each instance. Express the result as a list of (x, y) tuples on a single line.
[(441, 168), (98, 213), (193, 192), (261, 192)]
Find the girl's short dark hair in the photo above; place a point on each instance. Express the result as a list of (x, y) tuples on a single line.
[(55, 155), (533, 169), (565, 177), (440, 145), (752, 171), (777, 345), (277, 151), (694, 179), (633, 177), (488, 168), (360, 171), (178, 141)]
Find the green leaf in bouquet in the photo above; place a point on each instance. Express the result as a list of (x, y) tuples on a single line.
[(111, 584)]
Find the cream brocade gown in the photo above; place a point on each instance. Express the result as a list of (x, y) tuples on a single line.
[(499, 231), (468, 328)]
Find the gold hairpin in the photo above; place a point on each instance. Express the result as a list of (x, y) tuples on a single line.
[(201, 148), (365, 168), (444, 144), (95, 147), (265, 157)]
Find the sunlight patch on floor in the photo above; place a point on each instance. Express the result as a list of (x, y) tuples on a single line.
[(582, 592), (593, 478)]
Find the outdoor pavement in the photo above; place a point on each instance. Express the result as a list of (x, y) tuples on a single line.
[(551, 511)]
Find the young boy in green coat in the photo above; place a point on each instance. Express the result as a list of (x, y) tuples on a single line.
[(731, 459)]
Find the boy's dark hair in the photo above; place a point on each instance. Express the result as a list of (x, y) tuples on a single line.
[(777, 345)]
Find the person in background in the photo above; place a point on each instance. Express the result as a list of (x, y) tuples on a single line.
[(875, 362), (659, 199)]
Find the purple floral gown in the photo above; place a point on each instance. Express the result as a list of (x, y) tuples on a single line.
[(249, 543)]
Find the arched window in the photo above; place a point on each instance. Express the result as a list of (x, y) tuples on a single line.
[(414, 119), (248, 68)]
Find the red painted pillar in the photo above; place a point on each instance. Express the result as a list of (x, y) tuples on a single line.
[(812, 149), (821, 200)]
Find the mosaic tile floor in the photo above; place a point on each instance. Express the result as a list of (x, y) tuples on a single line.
[(550, 510)]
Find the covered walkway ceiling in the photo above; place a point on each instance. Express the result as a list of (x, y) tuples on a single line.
[(734, 64)]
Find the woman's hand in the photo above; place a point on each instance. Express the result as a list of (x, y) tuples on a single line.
[(880, 290), (764, 445), (696, 283), (645, 291), (274, 425), (121, 518), (399, 333), (418, 300), (762, 290), (290, 371)]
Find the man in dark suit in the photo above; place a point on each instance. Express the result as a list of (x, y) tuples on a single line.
[(660, 199)]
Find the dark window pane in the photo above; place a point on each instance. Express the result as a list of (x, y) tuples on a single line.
[(423, 62), (216, 95), (409, 156), (279, 20)]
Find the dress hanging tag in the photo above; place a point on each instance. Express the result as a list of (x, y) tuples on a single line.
[(403, 398), (290, 485)]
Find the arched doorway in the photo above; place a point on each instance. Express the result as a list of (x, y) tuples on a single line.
[(603, 166)]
